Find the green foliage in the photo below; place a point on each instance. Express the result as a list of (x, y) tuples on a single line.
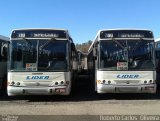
[(84, 46)]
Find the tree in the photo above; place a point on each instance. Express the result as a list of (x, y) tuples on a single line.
[(84, 46)]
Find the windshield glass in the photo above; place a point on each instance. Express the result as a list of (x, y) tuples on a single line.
[(127, 55), (38, 55)]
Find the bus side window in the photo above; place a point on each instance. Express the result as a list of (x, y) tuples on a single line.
[(4, 51)]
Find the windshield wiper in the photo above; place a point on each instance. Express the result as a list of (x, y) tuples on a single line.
[(138, 45), (29, 44), (47, 43), (118, 43), (124, 48)]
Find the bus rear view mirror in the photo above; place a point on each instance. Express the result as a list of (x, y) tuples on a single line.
[(72, 46), (4, 50)]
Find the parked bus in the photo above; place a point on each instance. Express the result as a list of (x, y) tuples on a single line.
[(4, 41), (123, 61), (42, 62), (82, 61), (157, 48)]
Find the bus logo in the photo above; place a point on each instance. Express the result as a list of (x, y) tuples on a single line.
[(36, 77), (128, 76)]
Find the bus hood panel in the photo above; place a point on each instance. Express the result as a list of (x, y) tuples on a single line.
[(130, 77), (43, 79)]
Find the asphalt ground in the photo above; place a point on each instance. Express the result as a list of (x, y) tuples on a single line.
[(82, 105)]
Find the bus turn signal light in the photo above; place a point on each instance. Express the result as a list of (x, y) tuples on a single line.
[(98, 81)]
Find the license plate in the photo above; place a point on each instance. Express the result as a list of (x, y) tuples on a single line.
[(61, 90)]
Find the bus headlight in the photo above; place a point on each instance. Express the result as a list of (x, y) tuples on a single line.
[(99, 81), (62, 82), (145, 82), (12, 83), (109, 82), (18, 83), (56, 83), (150, 81)]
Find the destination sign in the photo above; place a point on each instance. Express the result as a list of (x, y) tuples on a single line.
[(126, 34), (39, 34)]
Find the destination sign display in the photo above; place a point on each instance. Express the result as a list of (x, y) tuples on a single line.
[(39, 34), (126, 34)]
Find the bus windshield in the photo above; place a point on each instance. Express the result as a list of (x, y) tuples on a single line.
[(38, 55), (127, 55)]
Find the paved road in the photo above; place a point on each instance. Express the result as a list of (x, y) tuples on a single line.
[(82, 101)]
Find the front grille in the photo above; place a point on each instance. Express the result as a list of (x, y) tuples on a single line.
[(127, 89), (127, 81)]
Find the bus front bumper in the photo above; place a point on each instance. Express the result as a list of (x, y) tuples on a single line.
[(104, 88), (59, 90)]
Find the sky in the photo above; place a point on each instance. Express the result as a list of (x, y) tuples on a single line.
[(83, 18)]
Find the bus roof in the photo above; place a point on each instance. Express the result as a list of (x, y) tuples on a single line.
[(124, 29), (4, 38), (157, 40), (119, 29), (41, 29)]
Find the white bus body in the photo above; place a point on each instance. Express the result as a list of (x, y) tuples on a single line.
[(157, 50), (44, 62), (123, 61), (4, 41)]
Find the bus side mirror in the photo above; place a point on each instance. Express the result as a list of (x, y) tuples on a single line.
[(135, 64), (95, 54), (73, 46), (49, 64), (4, 50)]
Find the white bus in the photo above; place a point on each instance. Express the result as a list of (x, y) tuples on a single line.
[(82, 61), (4, 41), (42, 62), (157, 50), (123, 61)]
